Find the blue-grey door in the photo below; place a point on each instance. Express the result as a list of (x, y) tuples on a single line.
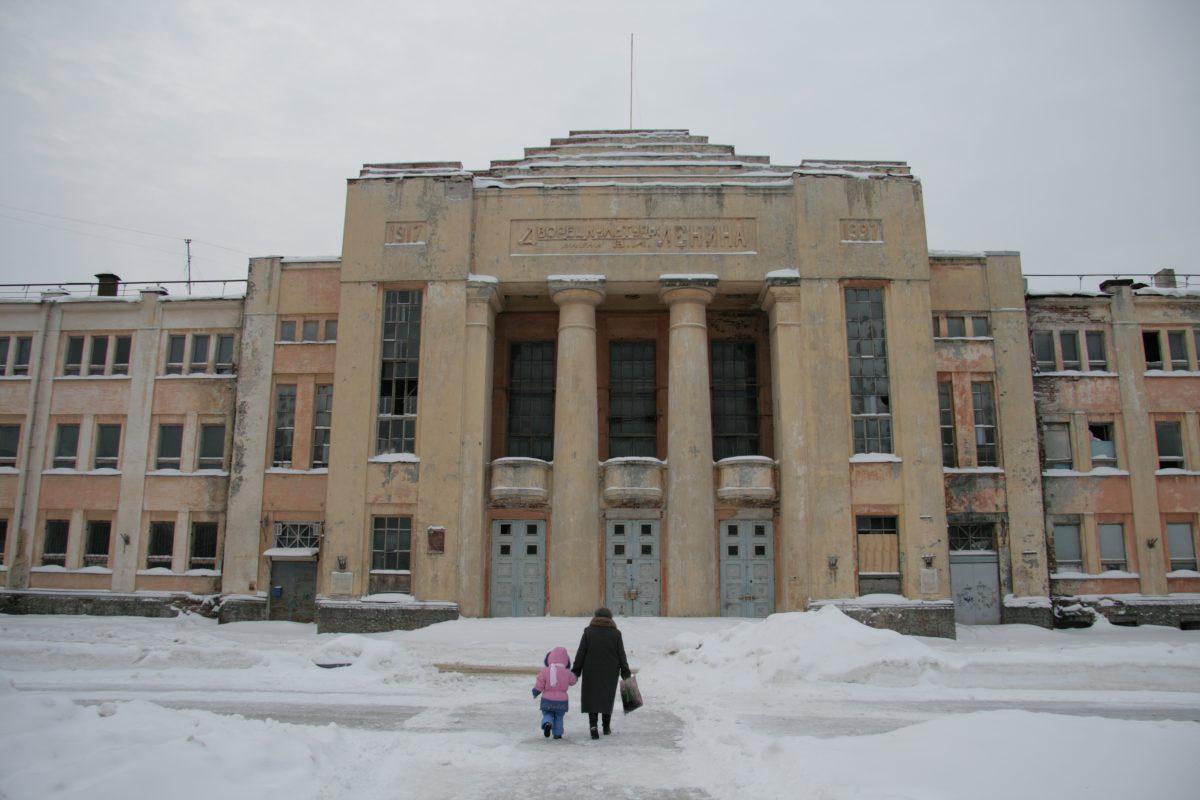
[(518, 568), (747, 568), (975, 584), (293, 595), (632, 567)]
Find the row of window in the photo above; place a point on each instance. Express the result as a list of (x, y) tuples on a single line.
[(1107, 550), (186, 354), (160, 548), (983, 409), (1085, 350), (284, 436), (959, 326), (302, 329), (1102, 443), (14, 355)]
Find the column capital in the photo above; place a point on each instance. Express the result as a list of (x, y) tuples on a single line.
[(576, 288), (782, 286), (687, 288), (485, 289)]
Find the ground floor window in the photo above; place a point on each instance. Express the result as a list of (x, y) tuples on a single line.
[(54, 546), (297, 534), (973, 536), (878, 555), (391, 543), (1181, 545), (204, 546), (99, 534), (161, 547), (1068, 552)]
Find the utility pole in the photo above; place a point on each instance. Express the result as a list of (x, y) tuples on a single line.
[(631, 81)]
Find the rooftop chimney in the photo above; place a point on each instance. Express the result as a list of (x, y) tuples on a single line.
[(1165, 279), (108, 284)]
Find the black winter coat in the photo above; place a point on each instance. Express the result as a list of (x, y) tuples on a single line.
[(599, 661)]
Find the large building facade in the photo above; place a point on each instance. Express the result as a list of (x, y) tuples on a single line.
[(632, 368)]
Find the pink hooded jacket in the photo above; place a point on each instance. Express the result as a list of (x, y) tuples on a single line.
[(555, 678)]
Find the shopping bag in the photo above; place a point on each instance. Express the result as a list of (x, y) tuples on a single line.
[(631, 695)]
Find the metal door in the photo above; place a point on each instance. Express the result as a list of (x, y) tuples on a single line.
[(747, 568), (293, 591), (632, 567), (975, 582), (518, 568)]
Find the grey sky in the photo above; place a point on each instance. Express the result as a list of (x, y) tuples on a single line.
[(1064, 130)]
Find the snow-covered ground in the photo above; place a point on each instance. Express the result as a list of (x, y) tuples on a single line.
[(795, 706)]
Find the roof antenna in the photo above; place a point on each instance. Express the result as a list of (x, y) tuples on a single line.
[(188, 243), (631, 81)]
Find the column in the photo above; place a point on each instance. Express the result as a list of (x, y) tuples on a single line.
[(482, 305), (575, 583), (690, 538)]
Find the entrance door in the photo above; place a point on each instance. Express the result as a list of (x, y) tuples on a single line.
[(293, 591), (518, 568), (747, 568), (632, 568), (975, 582)]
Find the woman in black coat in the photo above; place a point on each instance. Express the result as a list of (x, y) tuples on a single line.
[(599, 660)]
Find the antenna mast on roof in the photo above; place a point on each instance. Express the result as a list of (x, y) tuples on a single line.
[(188, 244), (631, 81)]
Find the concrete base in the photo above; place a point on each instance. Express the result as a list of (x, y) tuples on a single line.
[(1081, 612), (912, 619), (240, 608), (103, 604), (1042, 617), (356, 616)]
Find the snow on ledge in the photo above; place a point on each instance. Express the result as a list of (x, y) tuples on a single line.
[(1012, 601), (973, 470), (473, 278), (881, 601), (875, 458), (575, 279), (395, 458), (291, 553)]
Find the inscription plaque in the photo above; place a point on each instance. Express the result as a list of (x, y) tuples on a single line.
[(404, 233), (862, 230), (630, 235)]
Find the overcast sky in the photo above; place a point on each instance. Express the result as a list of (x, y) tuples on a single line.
[(1065, 130)]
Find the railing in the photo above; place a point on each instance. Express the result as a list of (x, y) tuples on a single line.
[(231, 287), (1090, 281)]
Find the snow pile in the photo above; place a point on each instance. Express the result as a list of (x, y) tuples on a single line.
[(823, 645), (370, 656)]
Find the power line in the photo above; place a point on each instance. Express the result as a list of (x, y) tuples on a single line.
[(113, 227)]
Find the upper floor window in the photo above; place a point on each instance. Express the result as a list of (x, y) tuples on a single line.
[(870, 395), (14, 355), (66, 446), (391, 543), (1181, 545), (101, 354), (108, 446), (1167, 349), (308, 329), (734, 399), (212, 447), (958, 326), (170, 447), (322, 425), (10, 435), (1068, 551), (396, 429), (531, 400), (285, 425), (1069, 351), (199, 353), (1169, 437), (1104, 444), (1112, 546), (1057, 443), (946, 423), (986, 450), (632, 411)]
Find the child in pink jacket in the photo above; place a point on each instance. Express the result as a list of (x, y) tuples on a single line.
[(552, 684)]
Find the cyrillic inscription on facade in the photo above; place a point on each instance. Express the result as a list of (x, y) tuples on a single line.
[(404, 233), (862, 230), (556, 236)]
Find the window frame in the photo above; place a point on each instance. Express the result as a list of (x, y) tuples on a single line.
[(206, 460), (385, 558), (736, 422), (1110, 535), (58, 454), (946, 424), (986, 427), (1055, 463), (1170, 460), (196, 542), (97, 532), (58, 527), (870, 394), (154, 536), (1177, 561), (1102, 460), (107, 452), (96, 355), (322, 432), (283, 426), (529, 421), (169, 460), (400, 372), (1075, 529), (877, 525), (15, 353), (200, 352), (10, 433)]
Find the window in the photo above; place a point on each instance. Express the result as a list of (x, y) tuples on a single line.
[(1057, 442), (212, 447), (10, 435), (878, 555), (66, 446), (322, 425), (870, 396), (632, 417), (1043, 351), (946, 423), (287, 330), (1182, 545), (961, 325), (205, 353), (1152, 349), (54, 546), (99, 534), (108, 446), (986, 452), (14, 355), (170, 447), (331, 330), (734, 399), (3, 538), (285, 425), (979, 326), (1096, 355), (973, 536), (161, 547), (1104, 445), (310, 330), (956, 326), (204, 546), (106, 355), (1112, 546), (1068, 555), (1169, 436), (297, 534), (1177, 349), (397, 416), (531, 400), (391, 544), (1068, 342)]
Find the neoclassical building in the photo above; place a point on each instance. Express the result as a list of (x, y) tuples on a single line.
[(631, 368)]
